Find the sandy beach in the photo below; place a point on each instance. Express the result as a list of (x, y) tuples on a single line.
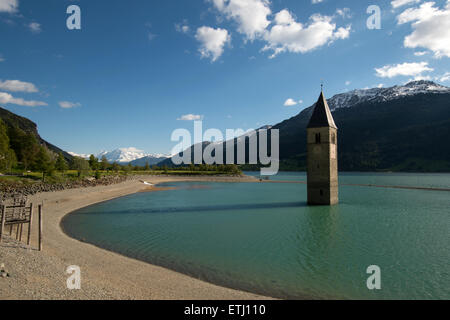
[(104, 274)]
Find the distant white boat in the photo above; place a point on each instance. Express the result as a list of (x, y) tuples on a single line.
[(147, 183)]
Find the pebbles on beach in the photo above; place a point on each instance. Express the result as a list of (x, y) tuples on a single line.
[(104, 275), (8, 189)]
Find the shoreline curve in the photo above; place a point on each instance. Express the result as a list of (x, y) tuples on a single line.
[(105, 274)]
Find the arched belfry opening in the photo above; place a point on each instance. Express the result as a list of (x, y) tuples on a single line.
[(322, 155)]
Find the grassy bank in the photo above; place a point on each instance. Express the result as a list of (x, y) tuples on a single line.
[(29, 183)]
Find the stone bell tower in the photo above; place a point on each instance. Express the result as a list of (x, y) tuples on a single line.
[(322, 156)]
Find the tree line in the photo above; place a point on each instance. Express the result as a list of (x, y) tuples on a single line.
[(21, 151)]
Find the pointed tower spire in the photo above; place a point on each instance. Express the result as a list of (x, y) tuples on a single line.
[(321, 116)]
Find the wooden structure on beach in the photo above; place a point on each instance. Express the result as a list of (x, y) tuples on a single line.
[(15, 214)]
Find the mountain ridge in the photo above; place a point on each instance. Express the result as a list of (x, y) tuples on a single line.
[(13, 120), (400, 128), (390, 129), (127, 155), (351, 98), (390, 133)]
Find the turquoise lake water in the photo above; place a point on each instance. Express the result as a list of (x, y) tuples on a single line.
[(263, 238)]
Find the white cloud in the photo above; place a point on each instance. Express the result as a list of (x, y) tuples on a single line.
[(150, 35), (420, 53), (284, 17), (405, 69), (68, 104), (35, 27), (316, 1), (431, 27), (281, 31), (250, 15), (444, 78), (380, 85), (9, 6), (1, 58), (290, 102), (344, 13), (190, 117), (80, 155), (212, 41), (347, 83), (399, 3), (6, 98), (342, 33), (17, 86), (293, 36), (420, 77), (182, 27)]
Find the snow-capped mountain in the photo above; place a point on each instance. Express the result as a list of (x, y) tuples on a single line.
[(381, 129), (351, 98), (150, 160), (126, 155), (80, 155), (122, 155)]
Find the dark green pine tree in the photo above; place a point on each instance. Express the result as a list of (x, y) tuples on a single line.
[(104, 164), (43, 162), (81, 165), (93, 162), (61, 164), (7, 155)]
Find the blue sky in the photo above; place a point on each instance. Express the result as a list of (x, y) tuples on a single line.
[(136, 68)]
